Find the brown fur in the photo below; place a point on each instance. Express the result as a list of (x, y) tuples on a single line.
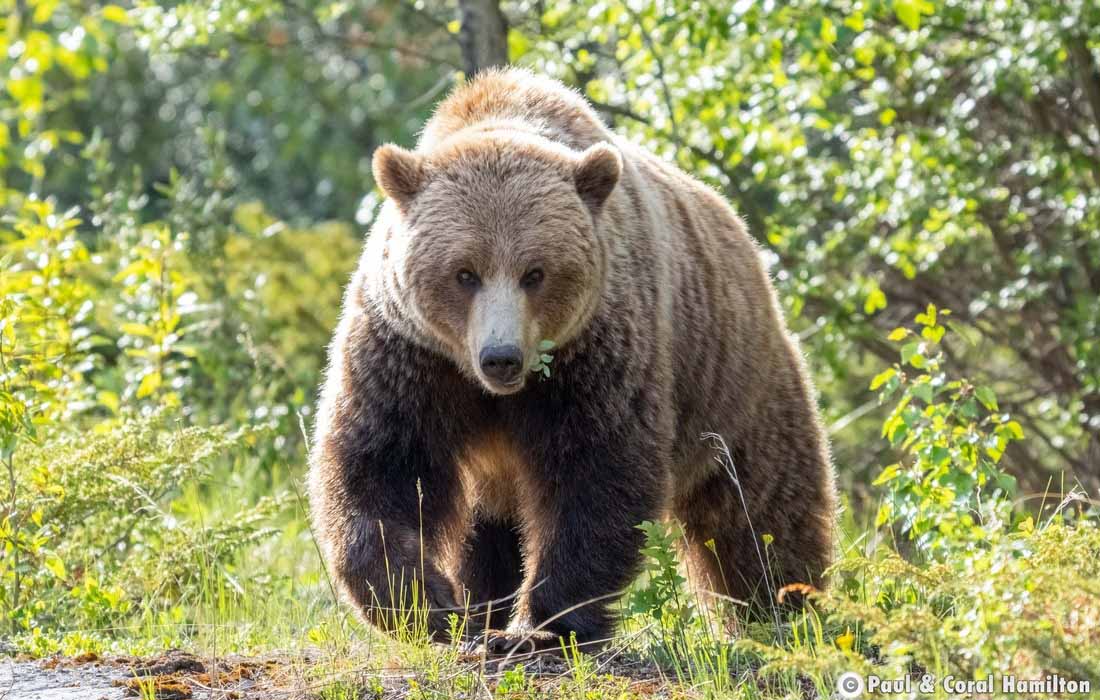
[(666, 325)]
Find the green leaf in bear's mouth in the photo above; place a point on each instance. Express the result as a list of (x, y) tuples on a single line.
[(545, 358)]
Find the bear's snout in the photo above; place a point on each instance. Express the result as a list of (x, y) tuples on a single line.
[(502, 363)]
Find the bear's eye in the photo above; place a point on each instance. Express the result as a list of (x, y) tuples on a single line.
[(468, 279), (532, 279)]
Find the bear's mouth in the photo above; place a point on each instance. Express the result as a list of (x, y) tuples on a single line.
[(502, 388)]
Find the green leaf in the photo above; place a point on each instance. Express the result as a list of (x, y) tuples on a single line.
[(909, 351), (900, 430), (875, 300), (888, 474), (928, 318), (908, 13), (114, 13), (139, 329), (55, 566), (923, 391), (898, 334), (933, 334), (987, 397), (882, 377), (44, 10), (940, 454), (149, 384), (828, 31)]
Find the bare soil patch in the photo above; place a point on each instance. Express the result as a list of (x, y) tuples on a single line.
[(180, 675)]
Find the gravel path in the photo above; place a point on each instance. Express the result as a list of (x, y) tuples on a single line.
[(174, 675)]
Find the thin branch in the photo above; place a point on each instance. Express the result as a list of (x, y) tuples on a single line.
[(666, 93), (1089, 73)]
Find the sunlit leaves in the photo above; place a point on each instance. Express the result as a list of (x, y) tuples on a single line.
[(932, 147), (875, 301), (948, 478), (882, 377), (909, 11), (114, 13)]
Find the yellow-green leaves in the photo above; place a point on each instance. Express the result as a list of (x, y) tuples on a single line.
[(876, 300), (987, 397), (55, 565), (951, 435), (932, 330), (149, 384), (909, 12), (882, 377), (43, 10), (114, 13)]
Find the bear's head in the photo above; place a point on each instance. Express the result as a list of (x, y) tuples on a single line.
[(495, 246)]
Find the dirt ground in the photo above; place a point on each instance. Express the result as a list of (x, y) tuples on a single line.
[(174, 675), (179, 675)]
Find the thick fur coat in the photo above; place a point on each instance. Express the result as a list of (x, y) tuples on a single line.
[(444, 469)]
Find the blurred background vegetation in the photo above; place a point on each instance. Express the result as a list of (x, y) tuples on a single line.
[(184, 188)]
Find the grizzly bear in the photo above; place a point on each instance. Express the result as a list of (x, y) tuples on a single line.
[(544, 324)]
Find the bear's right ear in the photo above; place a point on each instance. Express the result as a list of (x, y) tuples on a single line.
[(400, 173), (597, 173)]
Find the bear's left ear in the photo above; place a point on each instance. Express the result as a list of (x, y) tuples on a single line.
[(400, 173), (596, 174)]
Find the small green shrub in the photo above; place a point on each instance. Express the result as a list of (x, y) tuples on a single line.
[(101, 539), (947, 487), (988, 589)]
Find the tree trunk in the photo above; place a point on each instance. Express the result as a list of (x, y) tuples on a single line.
[(483, 36)]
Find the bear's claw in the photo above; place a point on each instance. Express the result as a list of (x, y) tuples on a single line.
[(525, 643)]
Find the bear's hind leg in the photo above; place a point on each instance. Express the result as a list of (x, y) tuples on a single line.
[(749, 547), (491, 571)]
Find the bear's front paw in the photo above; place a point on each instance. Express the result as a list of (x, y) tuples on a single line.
[(521, 642)]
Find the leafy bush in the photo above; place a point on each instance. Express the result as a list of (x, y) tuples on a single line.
[(952, 436), (96, 536)]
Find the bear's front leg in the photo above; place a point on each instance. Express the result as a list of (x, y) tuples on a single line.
[(384, 494), (595, 474), (382, 515)]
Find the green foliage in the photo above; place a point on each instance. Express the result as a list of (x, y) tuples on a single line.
[(952, 437), (145, 353), (1022, 601), (545, 358), (658, 593), (889, 153), (94, 531), (46, 304), (994, 592)]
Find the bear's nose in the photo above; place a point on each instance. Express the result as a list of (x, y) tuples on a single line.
[(501, 362)]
